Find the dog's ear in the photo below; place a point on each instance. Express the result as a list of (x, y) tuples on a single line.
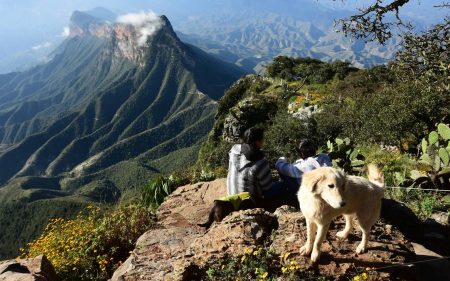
[(310, 181), (341, 178)]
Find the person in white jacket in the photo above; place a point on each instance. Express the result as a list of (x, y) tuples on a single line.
[(291, 173)]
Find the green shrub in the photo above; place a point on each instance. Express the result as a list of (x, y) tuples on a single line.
[(160, 187), (422, 203), (92, 245), (284, 134), (396, 166)]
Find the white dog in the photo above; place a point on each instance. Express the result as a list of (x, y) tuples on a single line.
[(326, 193)]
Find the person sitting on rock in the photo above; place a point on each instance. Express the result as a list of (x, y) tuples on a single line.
[(291, 173), (248, 169)]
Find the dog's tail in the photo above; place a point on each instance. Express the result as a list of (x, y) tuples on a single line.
[(375, 175)]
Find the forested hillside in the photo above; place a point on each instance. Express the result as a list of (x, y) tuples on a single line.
[(104, 114)]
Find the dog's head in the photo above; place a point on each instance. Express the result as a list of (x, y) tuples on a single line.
[(327, 183)]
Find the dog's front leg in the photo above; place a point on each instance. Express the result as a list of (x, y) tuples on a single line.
[(321, 233), (306, 249)]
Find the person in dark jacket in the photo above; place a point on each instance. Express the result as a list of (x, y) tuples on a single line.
[(248, 169)]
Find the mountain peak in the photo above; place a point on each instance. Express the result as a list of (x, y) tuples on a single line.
[(131, 27), (82, 23)]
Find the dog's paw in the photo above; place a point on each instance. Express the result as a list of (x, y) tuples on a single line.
[(305, 250), (315, 256), (361, 249), (342, 234)]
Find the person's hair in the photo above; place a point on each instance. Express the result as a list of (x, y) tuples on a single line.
[(252, 135), (306, 148)]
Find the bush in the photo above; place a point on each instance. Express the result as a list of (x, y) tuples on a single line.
[(395, 165), (422, 203), (92, 245), (160, 187), (284, 134)]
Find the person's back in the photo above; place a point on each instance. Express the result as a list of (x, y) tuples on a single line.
[(291, 173), (248, 170)]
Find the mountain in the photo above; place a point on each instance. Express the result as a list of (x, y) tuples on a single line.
[(251, 34), (118, 102)]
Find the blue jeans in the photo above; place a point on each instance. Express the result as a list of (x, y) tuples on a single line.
[(286, 186)]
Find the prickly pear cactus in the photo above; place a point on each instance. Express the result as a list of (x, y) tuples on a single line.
[(344, 155), (434, 163)]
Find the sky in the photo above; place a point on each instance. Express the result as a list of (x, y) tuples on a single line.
[(37, 24)]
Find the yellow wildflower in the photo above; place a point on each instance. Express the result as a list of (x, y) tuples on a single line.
[(222, 267), (283, 269), (264, 275), (356, 278), (243, 258), (255, 253), (256, 271), (364, 276)]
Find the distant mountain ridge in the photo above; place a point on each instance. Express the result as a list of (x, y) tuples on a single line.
[(253, 34), (105, 113)]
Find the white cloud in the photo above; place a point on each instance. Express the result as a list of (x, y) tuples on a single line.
[(42, 46), (145, 23), (66, 31)]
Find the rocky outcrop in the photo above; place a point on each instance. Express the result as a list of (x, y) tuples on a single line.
[(177, 248), (162, 253), (36, 269)]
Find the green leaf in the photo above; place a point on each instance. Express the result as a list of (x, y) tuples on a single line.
[(329, 145), (437, 163), (357, 163), (347, 141), (426, 158), (433, 137), (339, 141), (443, 154), (444, 131), (415, 174), (424, 146), (354, 154)]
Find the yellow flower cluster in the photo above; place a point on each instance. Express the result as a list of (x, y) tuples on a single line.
[(86, 247), (289, 266), (62, 239), (362, 276)]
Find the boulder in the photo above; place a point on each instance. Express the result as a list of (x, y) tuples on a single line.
[(38, 269), (161, 253), (238, 231)]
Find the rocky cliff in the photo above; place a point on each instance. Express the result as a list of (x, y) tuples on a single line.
[(180, 250)]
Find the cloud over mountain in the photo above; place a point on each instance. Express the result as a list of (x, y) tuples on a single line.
[(145, 23)]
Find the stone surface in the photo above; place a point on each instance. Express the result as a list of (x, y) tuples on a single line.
[(442, 218), (161, 253), (238, 231), (177, 248), (338, 256), (38, 268)]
